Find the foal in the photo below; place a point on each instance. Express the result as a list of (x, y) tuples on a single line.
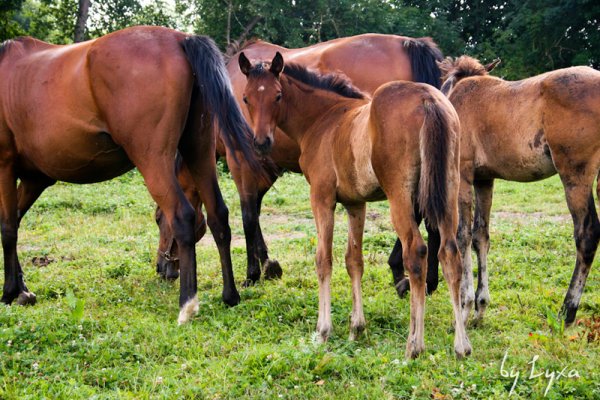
[(525, 131), (402, 144)]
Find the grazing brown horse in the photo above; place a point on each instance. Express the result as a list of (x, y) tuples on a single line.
[(401, 145), (88, 112), (369, 60), (525, 131)]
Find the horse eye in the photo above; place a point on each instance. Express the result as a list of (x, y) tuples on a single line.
[(245, 99), (278, 97)]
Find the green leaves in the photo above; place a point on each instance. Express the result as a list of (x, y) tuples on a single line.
[(75, 305)]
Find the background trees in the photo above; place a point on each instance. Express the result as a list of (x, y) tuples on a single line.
[(530, 36)]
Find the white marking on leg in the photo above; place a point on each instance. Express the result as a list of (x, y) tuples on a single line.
[(189, 309)]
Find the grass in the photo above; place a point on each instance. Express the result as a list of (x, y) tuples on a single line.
[(105, 324)]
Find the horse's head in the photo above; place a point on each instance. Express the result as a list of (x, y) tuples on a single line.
[(262, 96), (453, 70)]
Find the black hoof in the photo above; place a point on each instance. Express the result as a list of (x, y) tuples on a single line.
[(26, 299), (272, 269), (402, 288), (249, 283), (231, 298)]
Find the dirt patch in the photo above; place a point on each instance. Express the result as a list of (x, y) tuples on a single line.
[(42, 261)]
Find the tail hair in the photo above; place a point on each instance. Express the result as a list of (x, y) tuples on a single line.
[(217, 97), (424, 55), (437, 147)]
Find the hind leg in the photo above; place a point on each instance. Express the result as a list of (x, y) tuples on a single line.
[(587, 236), (355, 266), (414, 255), (465, 204), (395, 262), (481, 243)]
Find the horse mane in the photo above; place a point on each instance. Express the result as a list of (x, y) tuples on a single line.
[(424, 56), (7, 44), (332, 82), (453, 70)]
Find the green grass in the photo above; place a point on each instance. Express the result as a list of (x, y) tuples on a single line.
[(105, 324)]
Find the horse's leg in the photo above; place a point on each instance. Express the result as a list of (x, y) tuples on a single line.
[(355, 266), (323, 207), (481, 243), (271, 268), (450, 257), (414, 255), (28, 191), (14, 285), (395, 262), (465, 205), (587, 234)]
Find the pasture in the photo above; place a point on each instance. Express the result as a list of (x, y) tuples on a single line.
[(105, 325)]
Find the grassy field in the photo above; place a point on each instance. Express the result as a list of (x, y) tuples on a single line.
[(105, 324)]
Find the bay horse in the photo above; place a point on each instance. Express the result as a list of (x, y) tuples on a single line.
[(369, 60), (525, 131), (401, 145), (91, 111)]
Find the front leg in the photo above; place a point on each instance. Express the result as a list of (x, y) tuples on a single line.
[(481, 243), (355, 266), (323, 207)]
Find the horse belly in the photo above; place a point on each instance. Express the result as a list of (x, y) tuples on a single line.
[(525, 165), (80, 158)]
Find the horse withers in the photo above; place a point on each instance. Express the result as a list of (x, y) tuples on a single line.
[(525, 131), (401, 145), (91, 111)]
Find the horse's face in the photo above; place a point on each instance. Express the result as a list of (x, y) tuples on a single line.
[(262, 97)]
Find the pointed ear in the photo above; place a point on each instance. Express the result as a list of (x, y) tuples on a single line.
[(492, 65), (277, 64), (245, 64)]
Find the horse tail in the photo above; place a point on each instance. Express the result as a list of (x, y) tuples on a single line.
[(437, 147), (424, 55), (217, 97)]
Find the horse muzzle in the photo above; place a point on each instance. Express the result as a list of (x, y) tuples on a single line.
[(263, 146)]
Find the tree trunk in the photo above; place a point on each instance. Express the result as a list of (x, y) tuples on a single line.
[(82, 16)]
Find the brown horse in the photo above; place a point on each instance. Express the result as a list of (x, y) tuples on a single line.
[(401, 145), (525, 131), (88, 112), (369, 60)]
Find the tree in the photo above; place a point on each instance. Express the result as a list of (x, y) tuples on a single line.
[(82, 16)]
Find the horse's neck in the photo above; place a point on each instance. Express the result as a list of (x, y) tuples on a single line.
[(305, 106)]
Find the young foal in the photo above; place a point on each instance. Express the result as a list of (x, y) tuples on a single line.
[(402, 144), (526, 131), (88, 112)]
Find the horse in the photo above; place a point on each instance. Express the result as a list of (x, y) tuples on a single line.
[(369, 60), (401, 144), (88, 112), (525, 131)]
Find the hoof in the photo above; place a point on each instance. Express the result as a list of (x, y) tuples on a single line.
[(231, 298), (356, 332), (413, 350), (272, 270), (26, 299), (249, 283), (188, 310), (402, 287), (463, 350)]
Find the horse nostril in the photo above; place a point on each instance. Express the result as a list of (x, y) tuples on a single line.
[(264, 146)]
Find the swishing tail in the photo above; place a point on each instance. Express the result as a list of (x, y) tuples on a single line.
[(424, 55), (216, 94), (438, 143)]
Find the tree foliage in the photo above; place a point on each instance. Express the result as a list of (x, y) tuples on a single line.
[(531, 36)]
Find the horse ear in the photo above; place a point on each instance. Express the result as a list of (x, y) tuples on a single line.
[(245, 64), (492, 65), (277, 64)]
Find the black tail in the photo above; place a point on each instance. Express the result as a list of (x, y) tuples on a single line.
[(438, 143), (424, 55), (216, 94)]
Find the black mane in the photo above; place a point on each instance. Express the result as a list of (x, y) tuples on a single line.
[(332, 82)]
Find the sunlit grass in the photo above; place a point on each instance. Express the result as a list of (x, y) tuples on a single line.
[(100, 241)]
